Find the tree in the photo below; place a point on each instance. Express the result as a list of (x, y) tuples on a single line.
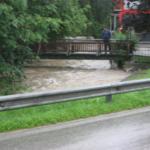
[(99, 15), (27, 22)]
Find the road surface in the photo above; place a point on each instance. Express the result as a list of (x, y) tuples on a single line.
[(129, 130)]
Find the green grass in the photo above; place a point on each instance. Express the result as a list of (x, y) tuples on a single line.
[(51, 114), (142, 59), (143, 74)]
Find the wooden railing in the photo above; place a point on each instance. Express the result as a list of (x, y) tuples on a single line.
[(86, 47)]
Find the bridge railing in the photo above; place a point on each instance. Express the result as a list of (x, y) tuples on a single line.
[(40, 98), (96, 47)]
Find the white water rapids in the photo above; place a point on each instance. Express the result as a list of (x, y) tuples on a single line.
[(46, 75)]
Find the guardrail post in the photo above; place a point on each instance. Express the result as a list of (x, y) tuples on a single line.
[(108, 98)]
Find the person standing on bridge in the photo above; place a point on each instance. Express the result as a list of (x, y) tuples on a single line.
[(106, 36)]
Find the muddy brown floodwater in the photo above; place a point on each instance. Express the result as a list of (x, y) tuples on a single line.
[(50, 75)]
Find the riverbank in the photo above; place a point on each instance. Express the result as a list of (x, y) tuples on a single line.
[(51, 114)]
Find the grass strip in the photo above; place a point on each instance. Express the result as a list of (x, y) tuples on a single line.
[(142, 59), (54, 113)]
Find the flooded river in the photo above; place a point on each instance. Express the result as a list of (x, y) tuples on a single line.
[(63, 74)]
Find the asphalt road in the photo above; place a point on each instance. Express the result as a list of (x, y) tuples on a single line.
[(128, 130)]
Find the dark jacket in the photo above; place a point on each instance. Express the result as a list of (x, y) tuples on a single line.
[(106, 35)]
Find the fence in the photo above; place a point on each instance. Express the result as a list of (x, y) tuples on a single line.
[(143, 49), (142, 53), (34, 99), (96, 47)]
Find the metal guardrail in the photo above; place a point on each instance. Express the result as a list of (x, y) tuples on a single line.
[(34, 99)]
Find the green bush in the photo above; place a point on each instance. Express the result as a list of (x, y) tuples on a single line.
[(24, 23), (119, 36)]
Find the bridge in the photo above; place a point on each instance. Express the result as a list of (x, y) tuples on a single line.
[(85, 49)]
